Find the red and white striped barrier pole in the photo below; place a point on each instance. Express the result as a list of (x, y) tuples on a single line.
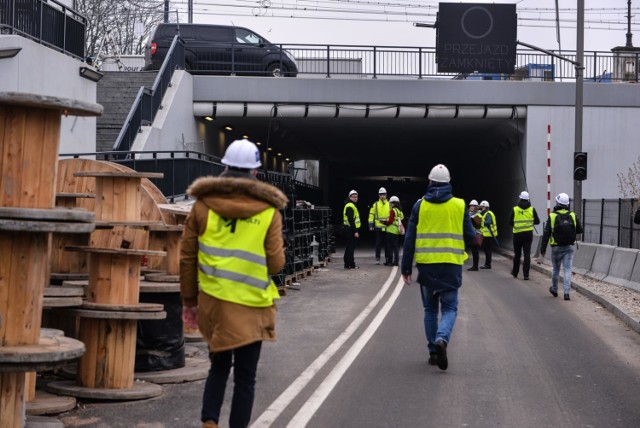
[(548, 170)]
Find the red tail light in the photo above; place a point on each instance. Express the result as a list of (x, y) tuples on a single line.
[(154, 47)]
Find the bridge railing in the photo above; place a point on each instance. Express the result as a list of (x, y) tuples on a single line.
[(48, 22), (359, 61)]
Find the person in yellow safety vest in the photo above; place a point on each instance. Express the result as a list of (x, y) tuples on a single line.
[(351, 223), (393, 229), (378, 216), (476, 218), (560, 232), (523, 218), (231, 244), (439, 227), (489, 231)]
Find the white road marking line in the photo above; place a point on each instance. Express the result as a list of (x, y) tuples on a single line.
[(314, 402), (279, 404)]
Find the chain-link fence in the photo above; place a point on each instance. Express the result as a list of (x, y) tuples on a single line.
[(610, 222)]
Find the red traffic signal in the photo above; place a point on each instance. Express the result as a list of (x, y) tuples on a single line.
[(580, 166)]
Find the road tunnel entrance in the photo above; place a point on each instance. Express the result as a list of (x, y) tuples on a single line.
[(485, 155)]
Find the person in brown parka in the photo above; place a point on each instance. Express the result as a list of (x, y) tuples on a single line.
[(232, 242)]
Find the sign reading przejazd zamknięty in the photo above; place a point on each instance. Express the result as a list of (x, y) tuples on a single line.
[(476, 37)]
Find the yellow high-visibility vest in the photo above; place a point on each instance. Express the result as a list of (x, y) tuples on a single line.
[(379, 214), (522, 219), (552, 218), (493, 229), (356, 215), (232, 260), (439, 234), (394, 228)]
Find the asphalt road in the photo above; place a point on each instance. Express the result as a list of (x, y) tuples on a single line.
[(517, 358)]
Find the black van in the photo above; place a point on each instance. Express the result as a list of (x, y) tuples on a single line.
[(215, 49)]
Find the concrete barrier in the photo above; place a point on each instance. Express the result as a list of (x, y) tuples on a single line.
[(635, 275), (601, 262), (622, 263), (583, 258)]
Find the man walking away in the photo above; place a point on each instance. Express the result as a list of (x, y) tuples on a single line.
[(395, 228), (232, 242), (523, 218), (489, 231), (378, 216), (560, 232), (351, 223), (438, 228)]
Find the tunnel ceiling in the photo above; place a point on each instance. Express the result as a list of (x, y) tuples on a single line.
[(380, 146)]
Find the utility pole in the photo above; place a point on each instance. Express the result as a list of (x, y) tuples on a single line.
[(166, 11), (577, 184), (190, 14)]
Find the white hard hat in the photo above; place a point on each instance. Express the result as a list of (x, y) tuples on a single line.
[(484, 204), (382, 190), (524, 195), (473, 202), (440, 173), (242, 154), (394, 199), (353, 192), (562, 199)]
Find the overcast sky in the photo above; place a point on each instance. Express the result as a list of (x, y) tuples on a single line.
[(390, 22)]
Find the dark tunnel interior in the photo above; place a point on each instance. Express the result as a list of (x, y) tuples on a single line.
[(485, 156)]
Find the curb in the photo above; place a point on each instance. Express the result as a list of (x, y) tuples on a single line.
[(631, 322)]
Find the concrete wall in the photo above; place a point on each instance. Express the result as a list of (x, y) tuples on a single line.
[(174, 127), (43, 71)]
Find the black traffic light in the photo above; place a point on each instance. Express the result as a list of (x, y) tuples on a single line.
[(580, 166)]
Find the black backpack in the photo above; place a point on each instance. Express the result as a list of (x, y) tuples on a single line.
[(564, 229)]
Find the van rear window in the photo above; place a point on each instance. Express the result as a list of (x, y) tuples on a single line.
[(214, 34), (168, 31)]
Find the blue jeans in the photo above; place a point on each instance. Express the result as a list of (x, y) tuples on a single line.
[(447, 303), (561, 255), (245, 364)]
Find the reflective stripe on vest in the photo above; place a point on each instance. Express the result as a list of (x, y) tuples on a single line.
[(394, 228), (493, 230), (379, 214), (439, 237), (522, 219), (552, 218), (356, 215), (232, 260)]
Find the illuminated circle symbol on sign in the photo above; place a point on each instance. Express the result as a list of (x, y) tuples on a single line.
[(464, 28)]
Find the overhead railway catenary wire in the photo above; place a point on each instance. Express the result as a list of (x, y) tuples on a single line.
[(202, 9)]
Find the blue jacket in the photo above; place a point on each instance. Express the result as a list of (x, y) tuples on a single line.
[(438, 276)]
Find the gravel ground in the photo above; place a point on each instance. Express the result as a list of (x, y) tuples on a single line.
[(627, 299)]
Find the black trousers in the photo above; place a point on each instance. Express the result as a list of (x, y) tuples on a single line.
[(486, 247), (350, 249), (522, 244), (392, 249), (475, 254), (381, 242)]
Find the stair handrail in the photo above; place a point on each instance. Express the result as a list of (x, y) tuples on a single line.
[(148, 102)]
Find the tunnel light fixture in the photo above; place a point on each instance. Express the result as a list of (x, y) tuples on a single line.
[(91, 74), (269, 149), (258, 143), (9, 52), (287, 159), (209, 118), (228, 128), (279, 154), (246, 137)]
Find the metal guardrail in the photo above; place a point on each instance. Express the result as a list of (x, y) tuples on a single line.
[(181, 168), (48, 22), (610, 222), (149, 101), (360, 61)]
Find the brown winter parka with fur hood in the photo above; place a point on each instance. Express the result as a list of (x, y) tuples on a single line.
[(226, 325)]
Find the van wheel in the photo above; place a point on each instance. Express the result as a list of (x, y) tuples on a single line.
[(274, 70)]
